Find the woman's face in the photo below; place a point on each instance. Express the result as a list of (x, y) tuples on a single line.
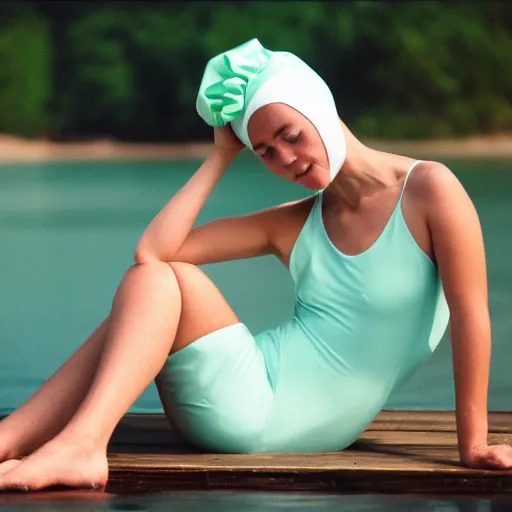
[(289, 145)]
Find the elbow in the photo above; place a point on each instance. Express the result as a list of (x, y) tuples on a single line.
[(142, 256), (143, 252)]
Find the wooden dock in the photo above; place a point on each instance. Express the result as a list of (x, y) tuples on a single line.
[(400, 452)]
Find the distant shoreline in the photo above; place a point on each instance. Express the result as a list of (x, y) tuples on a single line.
[(18, 150)]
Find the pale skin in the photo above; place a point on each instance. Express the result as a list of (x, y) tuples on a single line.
[(164, 302)]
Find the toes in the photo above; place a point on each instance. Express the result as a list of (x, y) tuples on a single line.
[(55, 468), (16, 480), (10, 485), (26, 483)]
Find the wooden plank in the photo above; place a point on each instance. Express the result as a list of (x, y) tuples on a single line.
[(371, 451), (154, 428), (388, 461), (400, 452), (434, 421), (422, 438), (344, 481)]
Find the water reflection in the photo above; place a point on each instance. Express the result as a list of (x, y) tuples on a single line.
[(227, 501)]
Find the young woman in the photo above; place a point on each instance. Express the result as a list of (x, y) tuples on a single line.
[(379, 255)]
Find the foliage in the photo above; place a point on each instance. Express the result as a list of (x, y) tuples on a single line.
[(25, 76), (131, 70)]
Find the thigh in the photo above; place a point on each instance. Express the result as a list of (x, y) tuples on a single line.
[(214, 386), (216, 391), (203, 310)]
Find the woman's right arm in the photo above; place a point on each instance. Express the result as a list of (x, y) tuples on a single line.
[(170, 237), (167, 232)]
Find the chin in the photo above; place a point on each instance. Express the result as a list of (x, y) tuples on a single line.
[(316, 187), (317, 181)]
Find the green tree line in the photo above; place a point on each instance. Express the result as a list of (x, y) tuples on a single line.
[(131, 70)]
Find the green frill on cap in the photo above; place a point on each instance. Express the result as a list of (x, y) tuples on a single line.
[(222, 94)]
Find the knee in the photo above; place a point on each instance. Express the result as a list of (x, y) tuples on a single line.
[(186, 272), (159, 271), (181, 268)]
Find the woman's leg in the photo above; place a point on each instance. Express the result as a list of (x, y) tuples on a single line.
[(155, 306), (46, 413)]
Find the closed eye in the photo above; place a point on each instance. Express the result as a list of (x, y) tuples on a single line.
[(292, 137)]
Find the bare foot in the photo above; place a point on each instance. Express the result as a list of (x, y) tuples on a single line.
[(8, 465), (58, 463), (8, 447)]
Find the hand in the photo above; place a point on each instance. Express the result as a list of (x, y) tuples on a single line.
[(498, 456), (226, 140)]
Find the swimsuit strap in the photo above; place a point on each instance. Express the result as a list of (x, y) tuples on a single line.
[(407, 177)]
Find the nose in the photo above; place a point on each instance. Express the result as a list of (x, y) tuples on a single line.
[(287, 156)]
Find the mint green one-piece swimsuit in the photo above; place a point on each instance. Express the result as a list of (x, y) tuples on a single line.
[(361, 326)]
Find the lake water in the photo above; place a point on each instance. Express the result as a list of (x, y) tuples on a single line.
[(68, 233), (225, 501)]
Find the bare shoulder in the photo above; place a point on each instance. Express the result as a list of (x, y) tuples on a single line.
[(442, 195), (447, 202), (434, 189), (433, 182), (284, 224)]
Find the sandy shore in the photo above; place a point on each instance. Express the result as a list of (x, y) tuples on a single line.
[(14, 149)]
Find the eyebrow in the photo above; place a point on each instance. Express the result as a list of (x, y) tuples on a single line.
[(278, 132)]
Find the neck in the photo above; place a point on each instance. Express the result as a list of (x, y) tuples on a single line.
[(364, 172)]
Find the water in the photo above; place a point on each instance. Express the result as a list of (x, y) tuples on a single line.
[(222, 501), (68, 234)]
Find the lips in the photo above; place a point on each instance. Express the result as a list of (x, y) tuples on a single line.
[(303, 173)]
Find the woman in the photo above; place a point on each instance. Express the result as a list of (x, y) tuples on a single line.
[(367, 254)]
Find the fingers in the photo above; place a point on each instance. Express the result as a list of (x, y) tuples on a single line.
[(491, 457), (495, 457), (502, 456)]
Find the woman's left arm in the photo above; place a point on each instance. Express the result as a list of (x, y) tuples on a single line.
[(460, 256)]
